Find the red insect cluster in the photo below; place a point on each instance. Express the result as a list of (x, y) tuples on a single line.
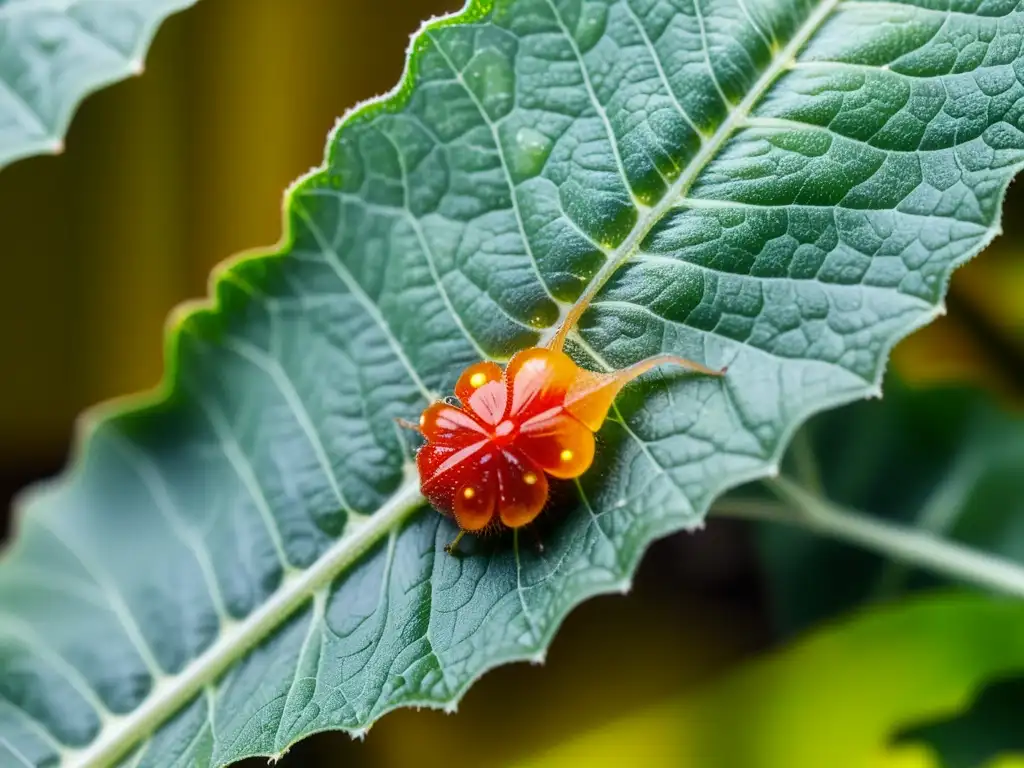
[(487, 462)]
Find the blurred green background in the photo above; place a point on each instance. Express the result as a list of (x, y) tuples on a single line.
[(167, 174)]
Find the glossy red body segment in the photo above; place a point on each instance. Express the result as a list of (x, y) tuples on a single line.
[(487, 460)]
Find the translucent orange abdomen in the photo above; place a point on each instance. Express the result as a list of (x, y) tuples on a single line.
[(487, 462)]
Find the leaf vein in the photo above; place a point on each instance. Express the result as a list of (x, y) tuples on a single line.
[(428, 253), (499, 148), (661, 71), (353, 286), (706, 50), (596, 103), (152, 478), (99, 575), (535, 634), (246, 474), (25, 109), (18, 754), (272, 367), (35, 644), (632, 242), (36, 727)]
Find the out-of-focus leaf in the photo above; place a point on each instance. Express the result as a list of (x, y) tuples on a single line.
[(783, 188), (55, 52), (947, 460), (834, 698), (988, 728)]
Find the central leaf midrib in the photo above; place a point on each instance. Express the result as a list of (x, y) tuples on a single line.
[(709, 149), (172, 692)]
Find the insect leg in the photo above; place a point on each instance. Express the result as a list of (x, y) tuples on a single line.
[(450, 548)]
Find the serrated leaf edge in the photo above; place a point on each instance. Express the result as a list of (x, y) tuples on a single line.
[(175, 691), (172, 692), (53, 142)]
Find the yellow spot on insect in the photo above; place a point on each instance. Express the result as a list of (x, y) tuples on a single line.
[(566, 455), (478, 379), (530, 479), (468, 493)]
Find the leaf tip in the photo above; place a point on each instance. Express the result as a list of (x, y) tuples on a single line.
[(451, 707), (539, 657), (136, 67)]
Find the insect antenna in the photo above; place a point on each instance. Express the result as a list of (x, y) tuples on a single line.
[(638, 369), (581, 305), (406, 424)]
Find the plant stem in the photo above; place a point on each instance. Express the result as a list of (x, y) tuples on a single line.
[(916, 548), (938, 516)]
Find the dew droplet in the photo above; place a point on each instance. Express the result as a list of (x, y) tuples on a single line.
[(544, 314), (531, 151), (646, 198)]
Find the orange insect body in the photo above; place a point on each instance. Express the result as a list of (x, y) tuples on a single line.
[(487, 462)]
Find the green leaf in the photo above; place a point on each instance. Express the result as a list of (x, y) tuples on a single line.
[(990, 728), (945, 462), (781, 187), (935, 668), (53, 53), (835, 697)]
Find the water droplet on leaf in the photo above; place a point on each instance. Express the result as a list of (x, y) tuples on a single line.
[(531, 151)]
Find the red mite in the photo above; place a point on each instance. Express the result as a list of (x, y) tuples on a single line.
[(487, 462)]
